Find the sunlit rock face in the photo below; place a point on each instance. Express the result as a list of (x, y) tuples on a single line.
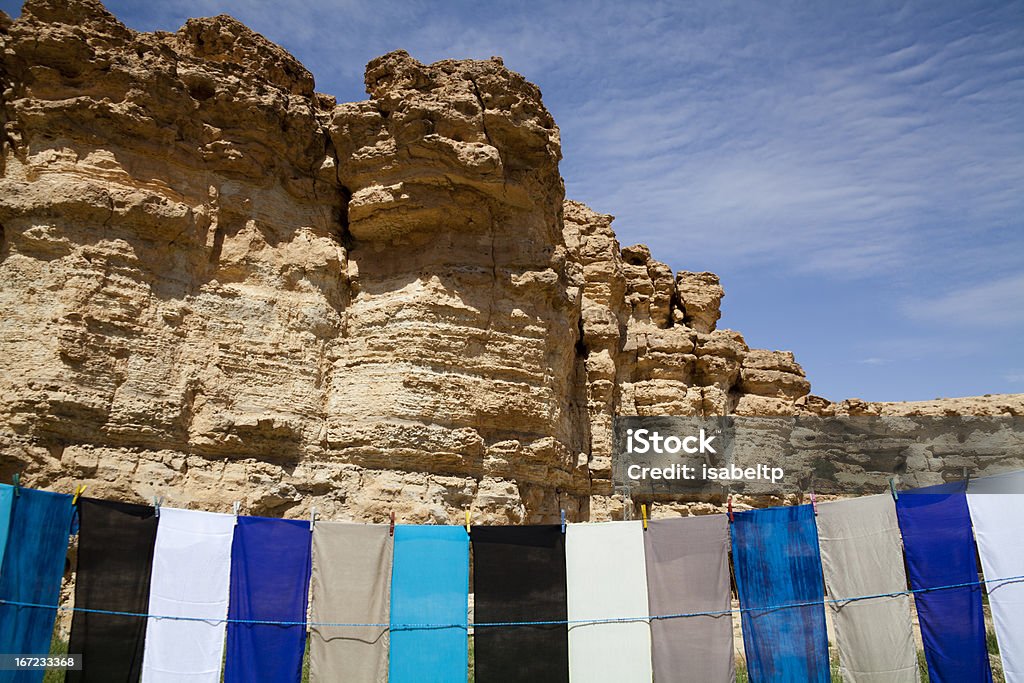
[(217, 284)]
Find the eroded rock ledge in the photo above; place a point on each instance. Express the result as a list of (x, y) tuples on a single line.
[(217, 284)]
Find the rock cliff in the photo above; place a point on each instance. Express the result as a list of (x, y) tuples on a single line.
[(217, 284)]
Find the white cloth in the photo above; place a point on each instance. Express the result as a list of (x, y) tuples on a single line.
[(191, 577), (606, 577), (998, 520)]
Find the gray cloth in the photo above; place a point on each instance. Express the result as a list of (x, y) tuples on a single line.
[(351, 584), (688, 571), (862, 554)]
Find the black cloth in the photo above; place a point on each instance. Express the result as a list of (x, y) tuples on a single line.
[(115, 559), (519, 575)]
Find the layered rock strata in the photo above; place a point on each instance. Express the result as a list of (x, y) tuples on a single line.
[(217, 284)]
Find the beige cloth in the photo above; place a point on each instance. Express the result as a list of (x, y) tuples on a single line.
[(862, 554), (351, 584)]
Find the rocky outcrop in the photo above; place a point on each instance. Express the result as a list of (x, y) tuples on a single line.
[(220, 285)]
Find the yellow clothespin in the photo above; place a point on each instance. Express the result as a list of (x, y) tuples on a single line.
[(643, 512), (79, 490), (467, 520)]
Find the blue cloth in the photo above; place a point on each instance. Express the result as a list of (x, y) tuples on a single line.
[(270, 567), (776, 558), (939, 544), (37, 546), (6, 501), (429, 585)]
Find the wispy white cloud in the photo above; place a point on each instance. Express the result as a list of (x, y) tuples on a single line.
[(995, 303)]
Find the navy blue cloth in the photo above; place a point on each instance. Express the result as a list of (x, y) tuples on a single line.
[(775, 553), (939, 544), (270, 567), (33, 566)]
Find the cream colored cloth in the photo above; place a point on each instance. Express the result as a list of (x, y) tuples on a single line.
[(351, 584), (862, 554)]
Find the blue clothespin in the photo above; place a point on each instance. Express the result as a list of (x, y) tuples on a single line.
[(563, 521), (157, 502), (17, 483), (892, 489)]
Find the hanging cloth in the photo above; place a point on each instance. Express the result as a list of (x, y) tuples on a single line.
[(6, 501), (999, 528), (775, 552), (688, 571), (115, 561), (191, 574), (862, 554), (351, 585), (270, 565), (519, 575), (606, 577), (939, 546), (37, 547), (429, 605)]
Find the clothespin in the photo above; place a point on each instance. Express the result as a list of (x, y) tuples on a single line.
[(730, 508), (814, 503), (312, 518), (79, 490), (467, 520), (16, 479), (391, 531), (236, 507), (157, 502), (563, 520), (643, 513), (967, 479), (892, 489)]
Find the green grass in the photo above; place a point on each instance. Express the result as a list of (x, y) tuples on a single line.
[(58, 646)]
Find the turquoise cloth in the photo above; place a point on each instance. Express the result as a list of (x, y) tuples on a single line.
[(37, 545), (429, 585), (6, 501)]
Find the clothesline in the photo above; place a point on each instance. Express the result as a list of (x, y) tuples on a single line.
[(994, 583)]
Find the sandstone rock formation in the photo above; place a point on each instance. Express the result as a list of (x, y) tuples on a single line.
[(217, 284)]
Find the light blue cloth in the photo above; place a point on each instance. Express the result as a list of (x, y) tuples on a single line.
[(37, 545), (429, 585), (6, 501), (777, 562)]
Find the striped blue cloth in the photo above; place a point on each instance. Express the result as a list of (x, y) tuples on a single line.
[(776, 558)]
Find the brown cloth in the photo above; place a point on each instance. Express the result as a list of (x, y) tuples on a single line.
[(351, 584), (688, 571)]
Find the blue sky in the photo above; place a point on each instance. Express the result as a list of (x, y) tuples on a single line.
[(853, 171)]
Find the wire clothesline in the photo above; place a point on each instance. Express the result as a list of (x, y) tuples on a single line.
[(990, 584)]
